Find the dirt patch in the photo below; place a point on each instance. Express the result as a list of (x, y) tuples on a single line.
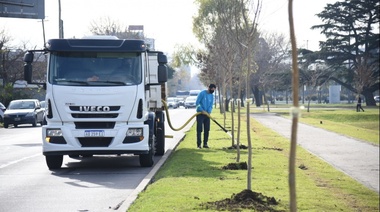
[(303, 167), (246, 199), (241, 146), (272, 148), (236, 166)]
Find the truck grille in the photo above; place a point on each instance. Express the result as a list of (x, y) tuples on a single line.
[(94, 115), (95, 142), (94, 125), (88, 112), (77, 108)]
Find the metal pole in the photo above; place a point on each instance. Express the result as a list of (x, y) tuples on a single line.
[(60, 22), (43, 30)]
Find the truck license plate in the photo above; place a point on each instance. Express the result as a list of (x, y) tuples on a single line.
[(94, 133)]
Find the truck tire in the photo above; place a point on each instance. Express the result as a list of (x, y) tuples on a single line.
[(5, 125), (54, 161), (160, 134), (146, 160)]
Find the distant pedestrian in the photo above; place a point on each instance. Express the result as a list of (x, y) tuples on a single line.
[(359, 105), (204, 103)]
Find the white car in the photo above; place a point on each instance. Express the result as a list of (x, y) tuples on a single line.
[(172, 103), (190, 102)]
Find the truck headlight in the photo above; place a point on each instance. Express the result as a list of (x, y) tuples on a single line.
[(135, 132), (53, 132)]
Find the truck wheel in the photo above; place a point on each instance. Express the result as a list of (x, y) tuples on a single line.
[(160, 134), (54, 161), (146, 160), (5, 125)]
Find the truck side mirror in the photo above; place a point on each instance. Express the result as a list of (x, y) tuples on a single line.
[(162, 73), (162, 59), (28, 72), (28, 57)]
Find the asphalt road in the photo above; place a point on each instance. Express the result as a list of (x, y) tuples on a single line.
[(356, 158), (100, 183)]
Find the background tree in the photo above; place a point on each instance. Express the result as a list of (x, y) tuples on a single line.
[(108, 26), (241, 30), (271, 55), (179, 81), (12, 69), (352, 46), (12, 64), (4, 40)]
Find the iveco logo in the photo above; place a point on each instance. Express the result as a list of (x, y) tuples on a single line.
[(94, 108)]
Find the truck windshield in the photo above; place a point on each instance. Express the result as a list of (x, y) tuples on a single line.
[(94, 69)]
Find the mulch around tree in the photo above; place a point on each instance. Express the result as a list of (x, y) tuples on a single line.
[(246, 199)]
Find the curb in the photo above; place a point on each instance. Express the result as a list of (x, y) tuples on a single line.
[(147, 180)]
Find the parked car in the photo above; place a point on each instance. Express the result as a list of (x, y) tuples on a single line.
[(377, 98), (172, 102), (23, 111), (181, 101), (190, 102), (2, 110)]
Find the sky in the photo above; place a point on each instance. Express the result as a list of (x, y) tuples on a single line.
[(169, 22)]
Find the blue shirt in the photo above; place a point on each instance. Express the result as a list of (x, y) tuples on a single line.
[(204, 101)]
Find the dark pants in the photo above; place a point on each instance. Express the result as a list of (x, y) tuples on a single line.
[(359, 107), (203, 124)]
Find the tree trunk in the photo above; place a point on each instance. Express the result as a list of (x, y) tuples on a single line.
[(369, 100), (256, 93), (226, 104), (232, 124)]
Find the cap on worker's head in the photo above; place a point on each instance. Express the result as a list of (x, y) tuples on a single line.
[(212, 86)]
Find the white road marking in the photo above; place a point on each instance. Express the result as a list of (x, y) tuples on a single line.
[(17, 161)]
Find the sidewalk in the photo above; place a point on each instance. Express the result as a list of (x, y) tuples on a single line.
[(358, 159)]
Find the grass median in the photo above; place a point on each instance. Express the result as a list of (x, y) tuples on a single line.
[(197, 179)]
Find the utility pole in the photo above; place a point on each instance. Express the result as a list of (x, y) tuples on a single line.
[(60, 24), (43, 31)]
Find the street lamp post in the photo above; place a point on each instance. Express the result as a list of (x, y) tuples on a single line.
[(60, 22)]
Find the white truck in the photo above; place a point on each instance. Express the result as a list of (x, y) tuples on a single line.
[(104, 97)]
